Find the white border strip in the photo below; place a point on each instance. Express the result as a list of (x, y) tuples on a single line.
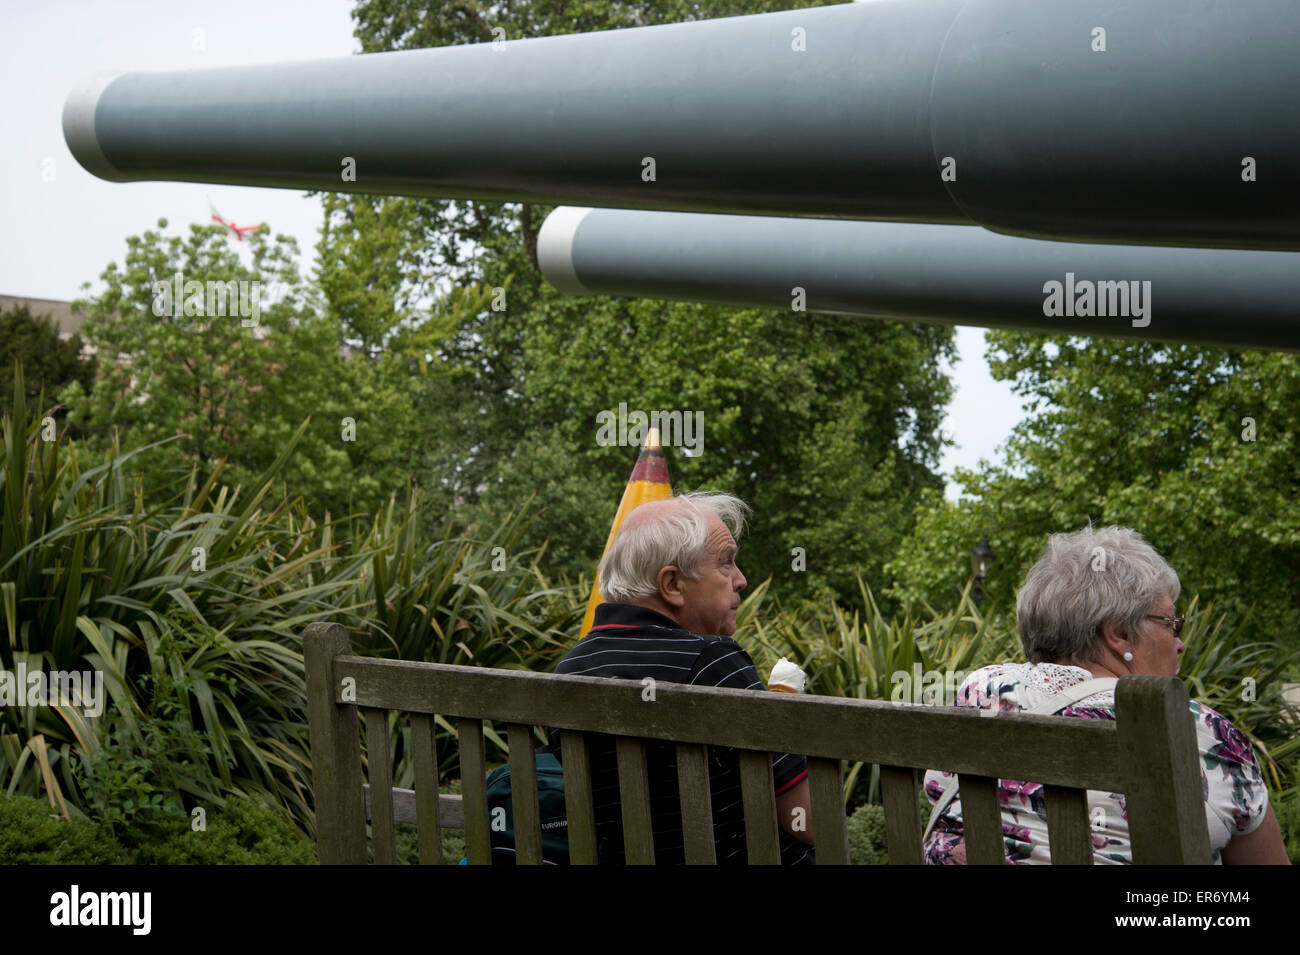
[(555, 248), (79, 125)]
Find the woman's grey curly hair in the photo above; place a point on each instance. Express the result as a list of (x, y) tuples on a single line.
[(1082, 580)]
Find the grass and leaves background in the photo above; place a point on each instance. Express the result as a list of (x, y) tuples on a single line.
[(191, 601)]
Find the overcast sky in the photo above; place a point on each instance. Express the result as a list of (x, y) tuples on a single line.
[(64, 225)]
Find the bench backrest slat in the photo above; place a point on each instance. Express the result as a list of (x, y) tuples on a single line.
[(523, 790), (697, 803), (826, 789), (428, 804), (1156, 734), (383, 834), (756, 789), (1068, 825), (473, 776), (579, 809), (981, 819), (634, 797), (898, 785)]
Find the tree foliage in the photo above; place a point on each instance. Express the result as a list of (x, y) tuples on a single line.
[(1193, 447), (236, 387), (49, 363), (827, 427)]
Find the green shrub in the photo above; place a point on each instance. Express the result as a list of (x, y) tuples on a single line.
[(32, 834), (138, 777), (867, 836), (243, 833), (408, 846), (453, 846)]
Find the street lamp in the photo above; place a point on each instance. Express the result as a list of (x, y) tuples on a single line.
[(981, 556)]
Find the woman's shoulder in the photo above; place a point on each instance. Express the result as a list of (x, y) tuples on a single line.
[(989, 686), (1014, 686)]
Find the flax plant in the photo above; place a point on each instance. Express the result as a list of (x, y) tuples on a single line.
[(461, 598), (192, 607), (95, 578)]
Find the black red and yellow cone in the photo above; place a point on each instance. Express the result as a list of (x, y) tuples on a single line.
[(649, 482)]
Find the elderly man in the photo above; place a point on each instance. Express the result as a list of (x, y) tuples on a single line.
[(672, 589)]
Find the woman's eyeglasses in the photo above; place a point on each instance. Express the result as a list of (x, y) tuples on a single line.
[(1175, 622)]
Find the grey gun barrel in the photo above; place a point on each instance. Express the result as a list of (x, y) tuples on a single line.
[(940, 273), (1164, 122)]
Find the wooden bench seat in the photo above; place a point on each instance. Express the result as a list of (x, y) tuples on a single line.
[(1149, 754), (451, 813)]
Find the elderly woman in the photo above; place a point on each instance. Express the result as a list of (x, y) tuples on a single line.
[(1099, 604)]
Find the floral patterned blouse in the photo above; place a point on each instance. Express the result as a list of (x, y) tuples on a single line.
[(1235, 796)]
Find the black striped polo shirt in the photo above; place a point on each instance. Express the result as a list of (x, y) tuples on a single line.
[(631, 643)]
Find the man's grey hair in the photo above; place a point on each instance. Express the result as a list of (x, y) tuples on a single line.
[(1082, 580), (676, 535)]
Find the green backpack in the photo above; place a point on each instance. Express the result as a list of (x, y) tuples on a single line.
[(550, 804)]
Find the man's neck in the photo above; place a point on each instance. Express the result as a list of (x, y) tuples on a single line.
[(658, 606)]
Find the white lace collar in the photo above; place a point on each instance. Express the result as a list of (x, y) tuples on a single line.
[(1039, 682)]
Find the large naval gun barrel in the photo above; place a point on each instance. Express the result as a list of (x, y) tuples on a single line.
[(1164, 122), (928, 273)]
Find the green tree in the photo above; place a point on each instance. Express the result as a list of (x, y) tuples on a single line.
[(381, 304), (234, 384), (49, 363), (1193, 447), (366, 245), (828, 427)]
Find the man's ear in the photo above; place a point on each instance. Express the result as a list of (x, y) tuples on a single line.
[(670, 587)]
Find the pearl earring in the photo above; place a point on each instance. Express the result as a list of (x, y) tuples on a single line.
[(1128, 656)]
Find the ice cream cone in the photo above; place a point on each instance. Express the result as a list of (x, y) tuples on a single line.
[(786, 677)]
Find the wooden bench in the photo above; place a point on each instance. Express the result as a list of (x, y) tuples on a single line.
[(1149, 754)]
